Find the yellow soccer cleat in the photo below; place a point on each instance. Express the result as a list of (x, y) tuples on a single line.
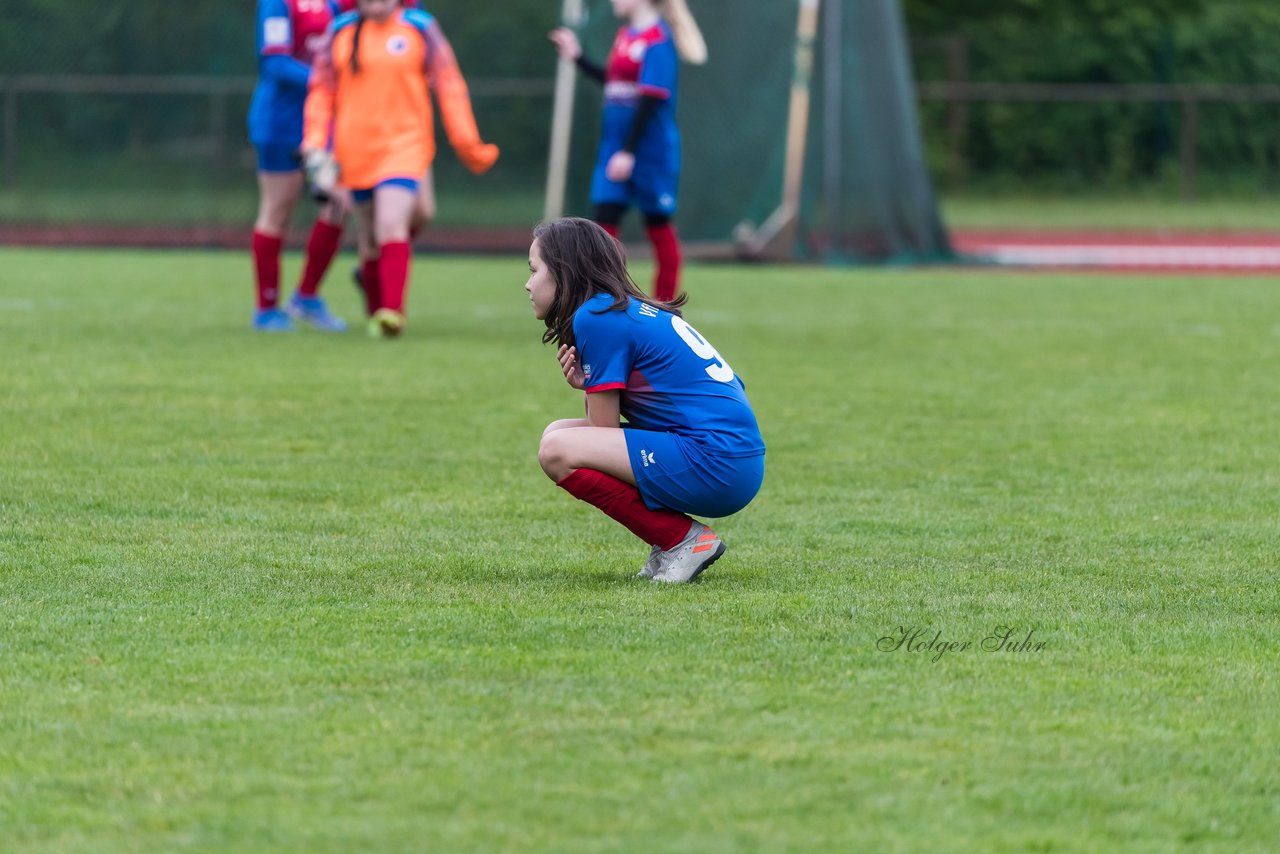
[(386, 323)]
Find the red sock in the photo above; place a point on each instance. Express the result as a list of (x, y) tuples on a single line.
[(393, 274), (622, 502), (266, 268), (612, 229), (322, 245), (372, 288), (666, 250)]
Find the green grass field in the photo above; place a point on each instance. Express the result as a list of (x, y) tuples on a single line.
[(199, 198), (1256, 211), (234, 206), (313, 593)]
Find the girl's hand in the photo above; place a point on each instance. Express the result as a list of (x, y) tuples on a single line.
[(620, 166), (566, 41), (339, 204), (573, 375)]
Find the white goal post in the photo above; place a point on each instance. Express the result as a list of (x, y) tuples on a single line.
[(561, 121), (774, 236)]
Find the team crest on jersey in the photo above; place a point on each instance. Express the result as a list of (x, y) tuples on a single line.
[(397, 45), (275, 32), (636, 51)]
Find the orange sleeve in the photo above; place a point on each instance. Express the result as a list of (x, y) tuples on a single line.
[(317, 114), (455, 104)]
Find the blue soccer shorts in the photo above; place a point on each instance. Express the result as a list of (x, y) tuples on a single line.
[(674, 473), (652, 190), (278, 158), (365, 194)]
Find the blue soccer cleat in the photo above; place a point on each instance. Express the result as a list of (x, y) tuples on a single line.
[(271, 320), (313, 312)]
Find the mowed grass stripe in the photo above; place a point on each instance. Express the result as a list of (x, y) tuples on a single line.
[(311, 592)]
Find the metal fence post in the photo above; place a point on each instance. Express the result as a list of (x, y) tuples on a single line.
[(10, 172), (1187, 146), (958, 108), (218, 129), (832, 120)]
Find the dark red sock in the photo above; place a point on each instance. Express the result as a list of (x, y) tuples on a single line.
[(266, 268), (322, 245), (666, 251), (372, 288), (393, 274), (622, 502), (612, 229)]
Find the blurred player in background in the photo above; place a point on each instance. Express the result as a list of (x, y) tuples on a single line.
[(425, 212), (370, 94), (639, 156), (288, 33), (690, 444), (345, 6)]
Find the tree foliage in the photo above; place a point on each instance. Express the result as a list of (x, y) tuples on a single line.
[(1104, 41), (216, 36), (1100, 17), (1098, 41)]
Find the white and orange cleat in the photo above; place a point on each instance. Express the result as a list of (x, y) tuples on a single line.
[(698, 550), (652, 564)]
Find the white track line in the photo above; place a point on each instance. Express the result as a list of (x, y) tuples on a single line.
[(1217, 257)]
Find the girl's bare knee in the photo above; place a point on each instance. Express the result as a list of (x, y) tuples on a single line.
[(272, 219), (552, 454), (561, 424)]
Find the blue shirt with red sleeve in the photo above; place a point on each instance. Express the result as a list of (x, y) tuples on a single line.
[(288, 33), (350, 5), (643, 62), (671, 379)]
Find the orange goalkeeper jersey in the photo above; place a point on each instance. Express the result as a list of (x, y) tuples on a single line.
[(374, 107)]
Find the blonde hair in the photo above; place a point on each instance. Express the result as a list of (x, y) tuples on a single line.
[(690, 44)]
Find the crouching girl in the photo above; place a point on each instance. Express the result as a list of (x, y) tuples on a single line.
[(689, 446)]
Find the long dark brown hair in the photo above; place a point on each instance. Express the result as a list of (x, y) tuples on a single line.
[(355, 44), (584, 260), (355, 39)]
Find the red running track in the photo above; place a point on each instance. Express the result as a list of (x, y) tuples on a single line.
[(1149, 251), (1146, 251)]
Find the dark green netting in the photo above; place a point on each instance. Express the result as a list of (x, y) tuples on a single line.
[(97, 132), (867, 194)]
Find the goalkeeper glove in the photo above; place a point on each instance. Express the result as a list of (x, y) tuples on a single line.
[(322, 173), (478, 157)]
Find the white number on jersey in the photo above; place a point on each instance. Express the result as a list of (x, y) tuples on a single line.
[(720, 371)]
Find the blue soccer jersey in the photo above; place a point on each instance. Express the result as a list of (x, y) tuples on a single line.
[(670, 378), (643, 62), (288, 33)]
